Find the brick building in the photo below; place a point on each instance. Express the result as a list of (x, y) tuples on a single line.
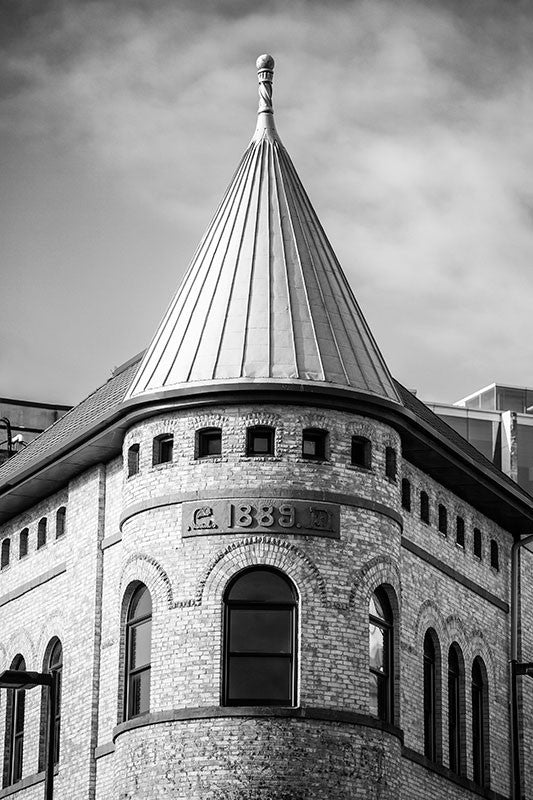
[(258, 566)]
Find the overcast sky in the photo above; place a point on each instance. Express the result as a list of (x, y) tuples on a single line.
[(409, 123)]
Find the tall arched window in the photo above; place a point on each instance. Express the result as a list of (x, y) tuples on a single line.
[(456, 706), (53, 663), (23, 542), (260, 639), (41, 533), (14, 739), (380, 656), (480, 723), (431, 696), (138, 653)]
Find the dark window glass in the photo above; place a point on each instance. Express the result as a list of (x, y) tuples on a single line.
[(443, 520), (524, 452), (430, 699), (424, 507), (6, 548), (479, 724), (209, 442), (163, 448), (380, 656), (480, 435), (494, 555), (406, 494), (314, 443), (260, 441), (134, 453), (14, 737), (455, 710), (138, 654), (53, 663), (361, 452), (477, 542), (61, 516), (390, 463), (259, 639), (41, 533), (23, 542), (460, 532)]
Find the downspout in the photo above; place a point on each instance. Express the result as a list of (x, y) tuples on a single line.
[(516, 776)]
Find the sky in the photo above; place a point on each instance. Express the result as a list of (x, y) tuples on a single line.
[(409, 123)]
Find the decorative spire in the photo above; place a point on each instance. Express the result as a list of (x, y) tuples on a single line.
[(265, 75)]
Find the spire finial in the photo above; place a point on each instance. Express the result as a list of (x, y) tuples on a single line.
[(265, 74)]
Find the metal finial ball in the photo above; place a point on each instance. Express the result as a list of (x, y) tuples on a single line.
[(265, 62)]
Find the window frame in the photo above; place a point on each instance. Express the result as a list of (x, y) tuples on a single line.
[(494, 555), (443, 519), (53, 664), (229, 655), (385, 678), (42, 533), (204, 437), (134, 459), (391, 464), (61, 522), (14, 730), (456, 710), (320, 438), (460, 531), (432, 697), (5, 557), (266, 431), (163, 449), (24, 542), (425, 515), (477, 545), (480, 724), (406, 494), (133, 623), (365, 461)]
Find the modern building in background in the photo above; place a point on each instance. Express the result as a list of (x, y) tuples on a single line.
[(22, 420), (256, 565), (497, 421)]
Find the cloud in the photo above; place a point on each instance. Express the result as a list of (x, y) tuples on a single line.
[(408, 123)]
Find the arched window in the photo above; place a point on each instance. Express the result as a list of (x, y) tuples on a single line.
[(431, 696), (456, 705), (424, 507), (314, 443), (406, 494), (41, 533), (134, 453), (260, 441), (494, 554), (260, 639), (23, 542), (361, 452), (480, 723), (390, 463), (61, 516), (6, 548), (208, 442), (53, 663), (443, 519), (14, 739), (380, 656), (138, 654)]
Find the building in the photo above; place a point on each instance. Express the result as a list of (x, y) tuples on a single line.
[(22, 420), (498, 421), (259, 567)]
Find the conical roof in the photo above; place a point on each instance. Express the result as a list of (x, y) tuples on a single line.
[(264, 299)]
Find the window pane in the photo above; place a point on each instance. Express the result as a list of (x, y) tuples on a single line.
[(260, 678), (309, 447), (140, 636), (141, 605), (257, 630), (213, 444), (260, 586), (139, 696), (373, 694), (376, 647)]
